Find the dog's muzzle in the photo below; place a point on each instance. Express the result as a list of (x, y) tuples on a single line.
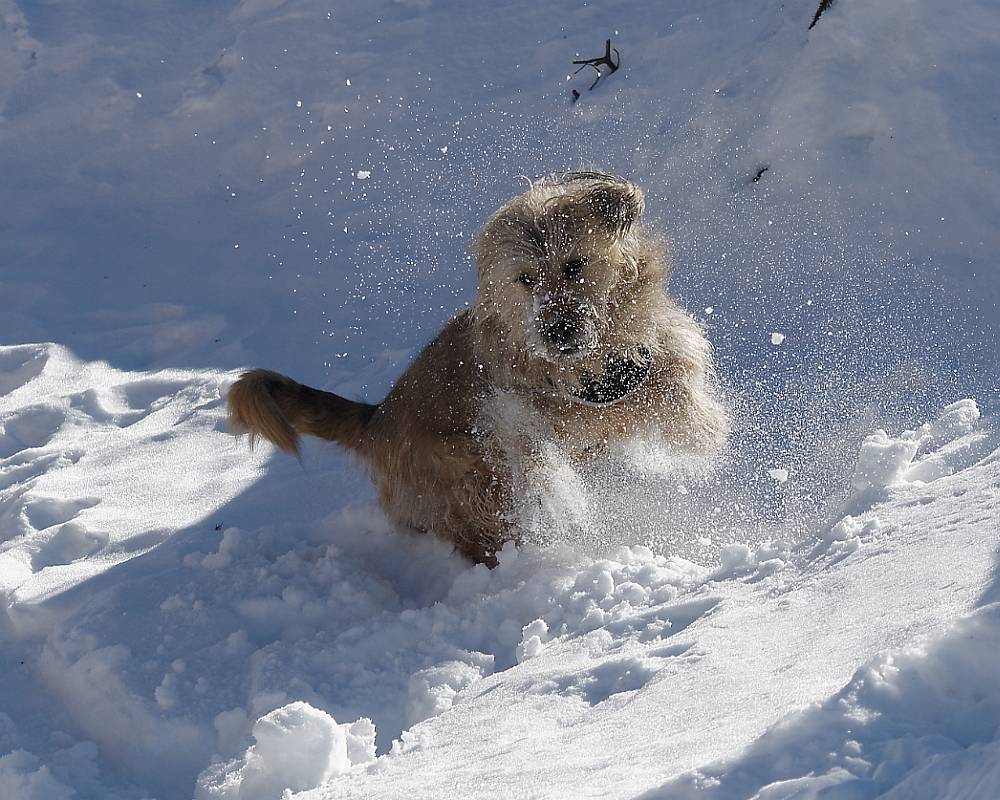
[(566, 335), (567, 331)]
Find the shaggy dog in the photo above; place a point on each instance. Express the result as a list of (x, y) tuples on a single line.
[(572, 340)]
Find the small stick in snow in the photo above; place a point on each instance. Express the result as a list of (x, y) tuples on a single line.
[(596, 62), (823, 6)]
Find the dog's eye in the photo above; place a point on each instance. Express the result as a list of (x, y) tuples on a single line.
[(573, 270), (526, 279)]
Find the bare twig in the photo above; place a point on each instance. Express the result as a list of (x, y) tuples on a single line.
[(596, 63), (823, 6)]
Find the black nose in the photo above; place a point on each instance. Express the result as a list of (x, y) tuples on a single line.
[(563, 333)]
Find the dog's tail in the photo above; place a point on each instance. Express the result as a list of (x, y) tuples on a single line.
[(268, 405)]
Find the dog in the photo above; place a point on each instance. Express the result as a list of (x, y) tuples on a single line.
[(572, 339)]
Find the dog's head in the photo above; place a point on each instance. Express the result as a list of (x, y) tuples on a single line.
[(561, 269)]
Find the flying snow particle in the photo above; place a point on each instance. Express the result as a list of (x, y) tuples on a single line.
[(777, 338), (780, 475), (363, 173)]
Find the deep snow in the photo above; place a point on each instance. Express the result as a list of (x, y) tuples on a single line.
[(192, 188)]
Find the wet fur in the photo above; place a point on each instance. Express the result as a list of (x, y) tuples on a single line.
[(566, 278)]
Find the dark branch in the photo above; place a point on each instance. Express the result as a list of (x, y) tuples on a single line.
[(823, 6), (596, 63)]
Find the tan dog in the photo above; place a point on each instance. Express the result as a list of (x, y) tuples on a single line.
[(572, 340)]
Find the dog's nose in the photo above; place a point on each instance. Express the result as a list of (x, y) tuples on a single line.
[(564, 333)]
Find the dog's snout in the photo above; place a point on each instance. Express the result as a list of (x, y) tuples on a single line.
[(564, 333), (565, 329), (566, 336)]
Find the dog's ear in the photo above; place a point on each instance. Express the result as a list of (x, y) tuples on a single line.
[(617, 205)]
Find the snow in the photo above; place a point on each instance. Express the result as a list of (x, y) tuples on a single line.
[(296, 747), (195, 188)]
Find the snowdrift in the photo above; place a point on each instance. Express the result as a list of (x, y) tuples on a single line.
[(195, 188)]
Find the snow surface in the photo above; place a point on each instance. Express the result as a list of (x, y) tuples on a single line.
[(191, 188)]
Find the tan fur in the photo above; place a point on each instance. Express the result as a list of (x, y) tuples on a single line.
[(568, 282)]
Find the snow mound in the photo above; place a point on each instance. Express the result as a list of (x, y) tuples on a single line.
[(954, 441), (911, 465), (296, 747)]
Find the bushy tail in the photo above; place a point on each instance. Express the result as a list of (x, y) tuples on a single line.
[(268, 405)]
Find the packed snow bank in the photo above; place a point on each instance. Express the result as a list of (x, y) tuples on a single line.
[(224, 655), (342, 656), (916, 724)]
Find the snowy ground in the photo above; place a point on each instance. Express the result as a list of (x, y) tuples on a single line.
[(192, 188)]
